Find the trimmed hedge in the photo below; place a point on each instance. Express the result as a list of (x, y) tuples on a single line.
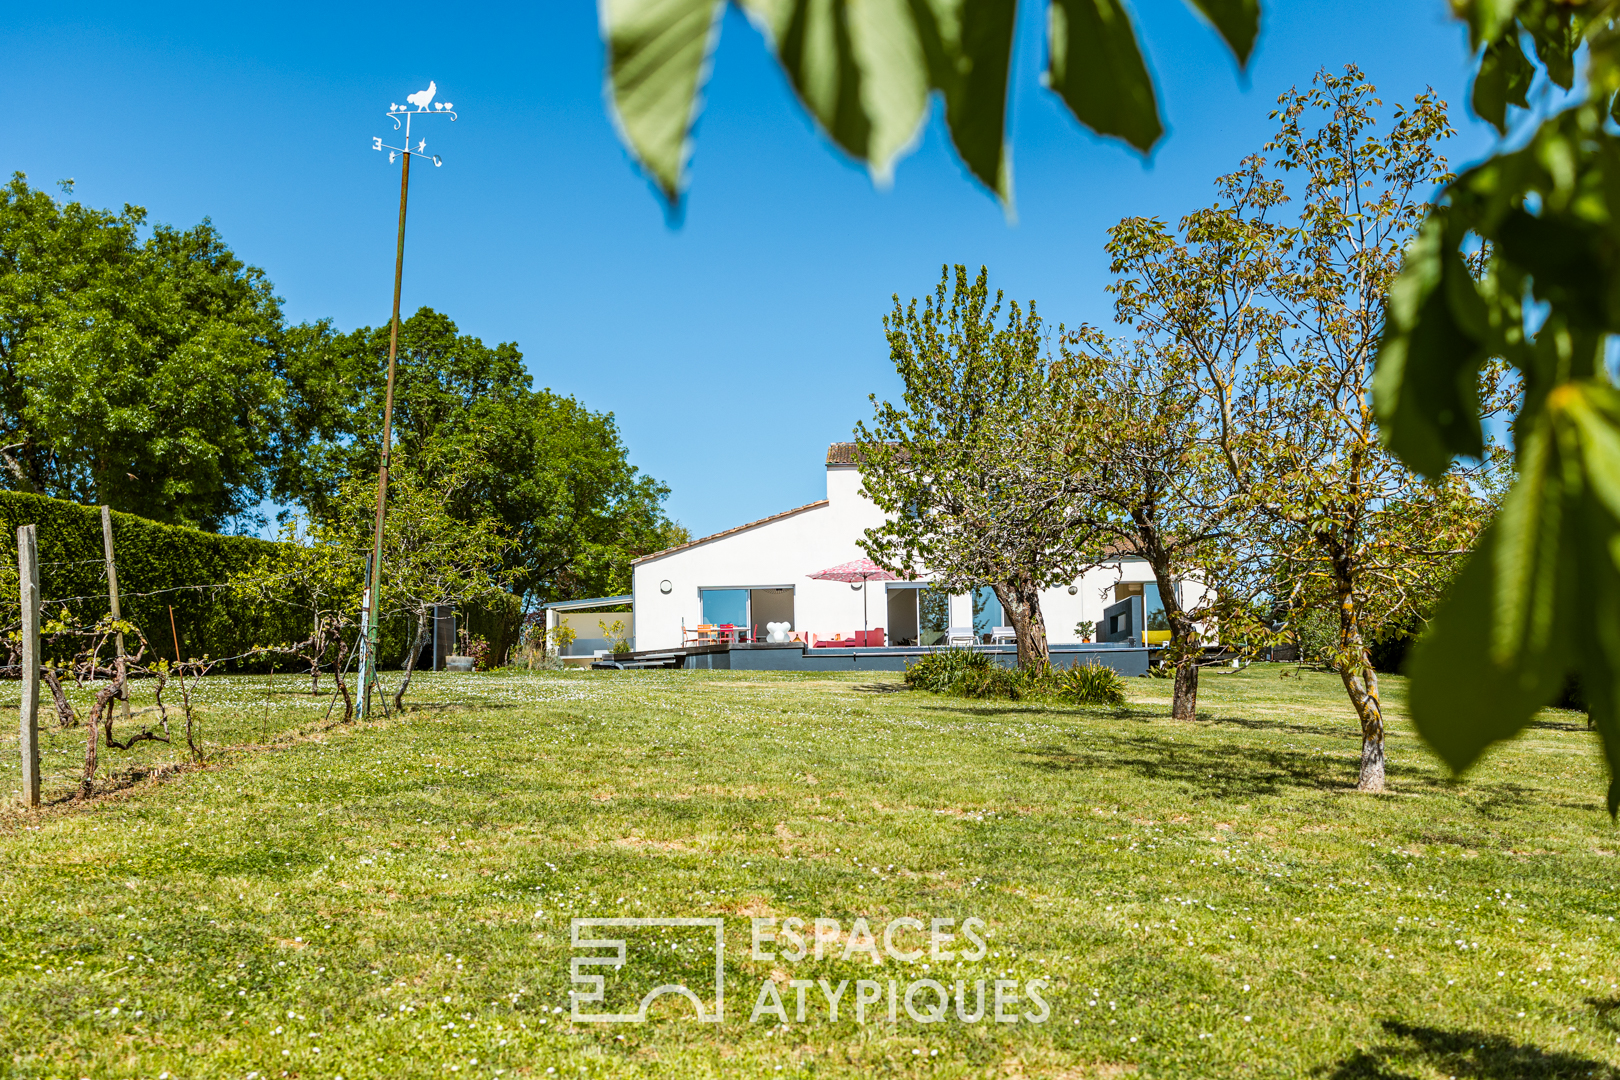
[(151, 557), (156, 565)]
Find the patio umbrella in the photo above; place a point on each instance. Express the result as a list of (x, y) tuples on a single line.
[(861, 570)]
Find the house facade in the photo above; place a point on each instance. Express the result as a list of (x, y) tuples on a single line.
[(759, 573)]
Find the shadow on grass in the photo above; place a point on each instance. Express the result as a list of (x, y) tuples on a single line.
[(1605, 1009), (1576, 723), (1245, 770), (1460, 1053), (1221, 769), (446, 706)]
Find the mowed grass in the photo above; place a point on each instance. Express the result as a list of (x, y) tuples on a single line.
[(1203, 900)]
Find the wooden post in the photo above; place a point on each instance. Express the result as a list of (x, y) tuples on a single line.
[(112, 596), (28, 586)]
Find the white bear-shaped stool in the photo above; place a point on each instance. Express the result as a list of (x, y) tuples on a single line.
[(777, 632)]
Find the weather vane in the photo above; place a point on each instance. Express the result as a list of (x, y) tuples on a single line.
[(422, 99), (420, 103)]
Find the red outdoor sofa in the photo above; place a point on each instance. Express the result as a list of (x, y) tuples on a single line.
[(860, 639)]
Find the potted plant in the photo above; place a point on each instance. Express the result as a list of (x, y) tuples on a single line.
[(474, 654)]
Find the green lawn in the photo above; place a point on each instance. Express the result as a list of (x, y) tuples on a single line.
[(1202, 900)]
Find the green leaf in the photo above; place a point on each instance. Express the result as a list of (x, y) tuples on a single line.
[(1593, 409), (1486, 19), (1504, 79), (1552, 30), (1425, 388), (1238, 21), (865, 70), (1096, 67), (859, 70), (1498, 648), (658, 54), (973, 75)]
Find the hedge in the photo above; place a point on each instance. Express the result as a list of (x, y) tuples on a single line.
[(156, 563), (159, 566)]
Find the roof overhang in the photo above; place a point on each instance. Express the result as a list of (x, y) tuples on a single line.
[(587, 604)]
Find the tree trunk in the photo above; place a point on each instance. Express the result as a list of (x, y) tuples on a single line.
[(1184, 706), (1184, 643), (1021, 602), (342, 685), (88, 784), (410, 659), (64, 708), (315, 658), (1361, 683)]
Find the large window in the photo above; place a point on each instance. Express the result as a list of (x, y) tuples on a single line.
[(1153, 617), (933, 615), (987, 613), (722, 606)]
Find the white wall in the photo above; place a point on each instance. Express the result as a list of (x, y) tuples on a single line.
[(787, 551), (782, 552)]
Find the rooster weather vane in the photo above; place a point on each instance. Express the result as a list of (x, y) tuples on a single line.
[(420, 103), (422, 99)]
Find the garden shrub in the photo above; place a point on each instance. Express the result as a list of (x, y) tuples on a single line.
[(940, 672), (969, 674), (1090, 684)]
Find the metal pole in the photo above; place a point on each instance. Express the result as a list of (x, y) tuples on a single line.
[(112, 596), (368, 617), (28, 580)]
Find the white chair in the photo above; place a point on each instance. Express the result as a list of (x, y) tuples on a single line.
[(1003, 635), (776, 633), (958, 637)]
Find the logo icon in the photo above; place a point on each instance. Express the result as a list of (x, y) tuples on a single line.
[(651, 952)]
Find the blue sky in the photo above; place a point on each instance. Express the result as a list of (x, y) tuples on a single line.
[(731, 348)]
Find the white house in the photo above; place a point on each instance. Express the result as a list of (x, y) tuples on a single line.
[(759, 573)]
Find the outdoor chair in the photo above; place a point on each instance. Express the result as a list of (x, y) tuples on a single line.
[(874, 638), (1002, 635), (959, 637)]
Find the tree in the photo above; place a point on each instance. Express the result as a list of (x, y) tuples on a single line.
[(430, 558), (1147, 472), (1284, 318), (313, 572), (1539, 600), (139, 374), (971, 467), (555, 474), (867, 72)]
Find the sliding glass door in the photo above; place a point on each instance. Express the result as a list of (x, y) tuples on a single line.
[(918, 614), (987, 613), (723, 607)]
